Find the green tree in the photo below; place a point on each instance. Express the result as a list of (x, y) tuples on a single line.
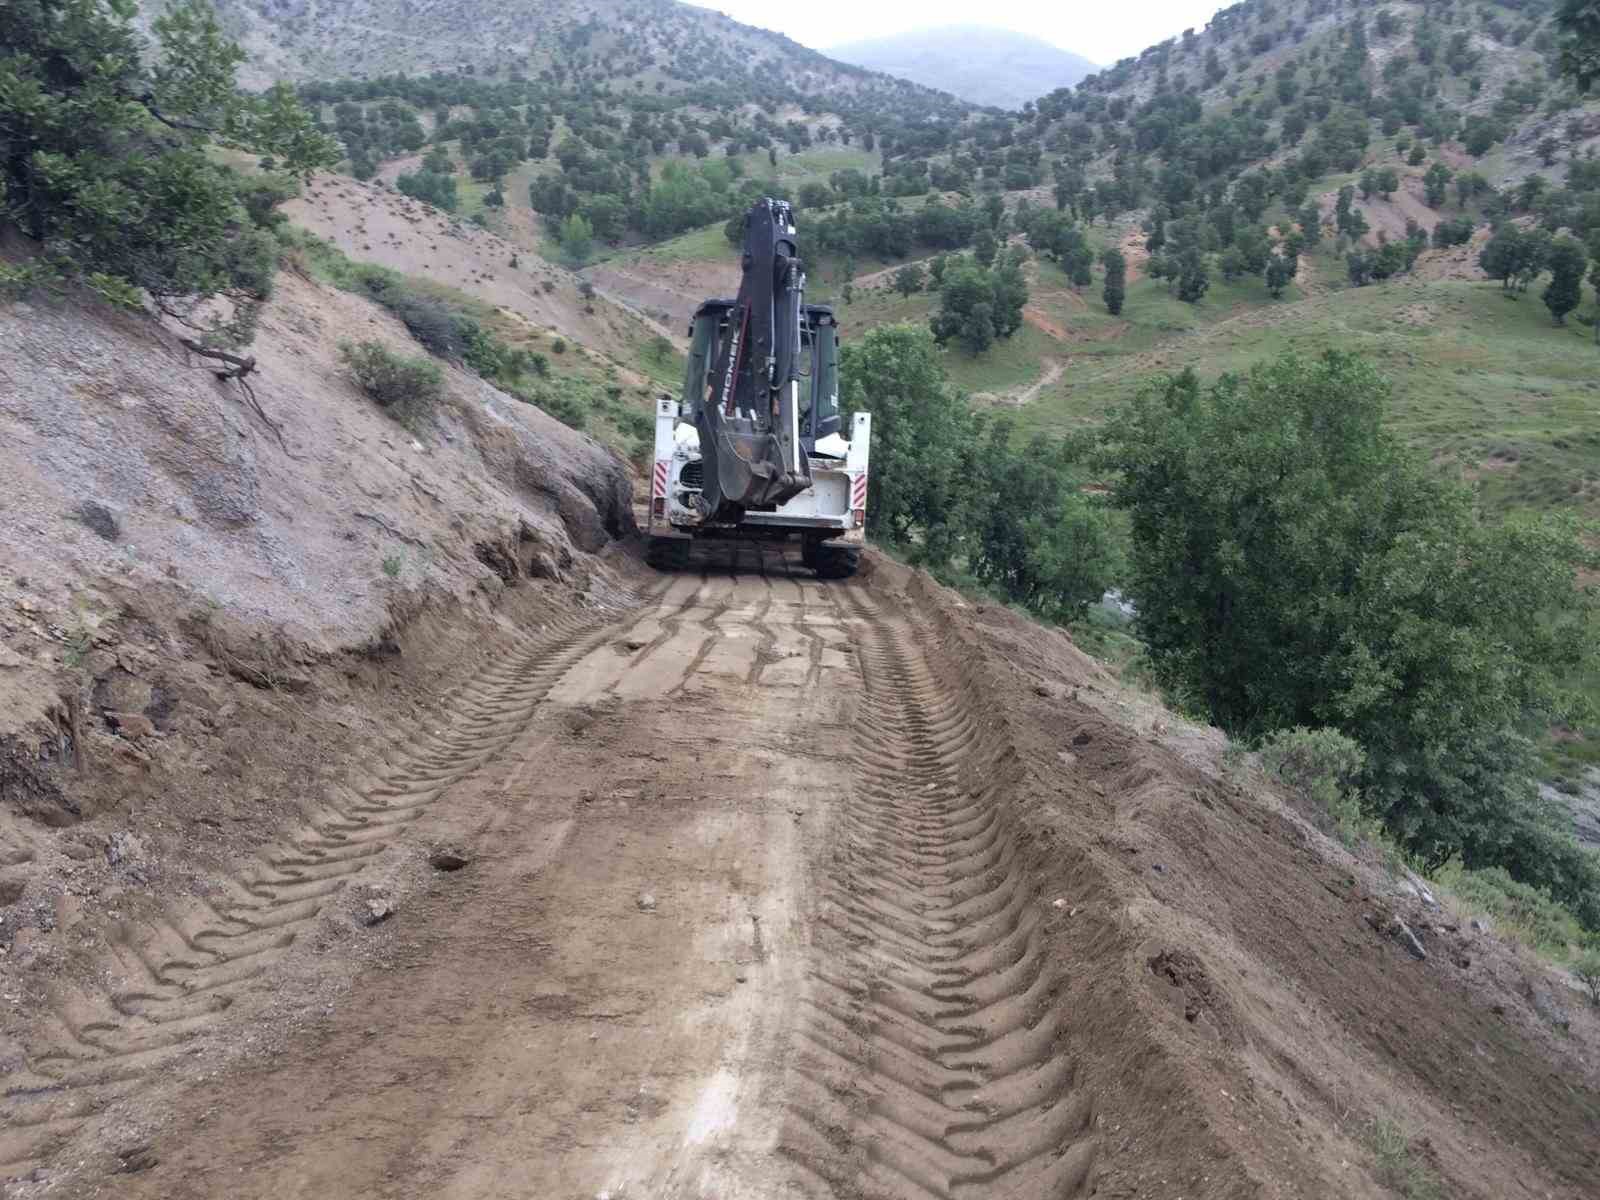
[(919, 429), (1278, 275), (1436, 184), (908, 279), (1116, 285), (1047, 546), (1579, 23), (103, 155), (1514, 256), (1567, 260), (966, 308), (577, 239), (984, 247), (1294, 564), (1193, 278)]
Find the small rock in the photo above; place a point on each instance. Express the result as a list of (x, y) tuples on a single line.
[(449, 858), (1158, 868), (647, 902), (132, 725), (99, 518), (136, 1158), (123, 847), (739, 978), (1058, 903), (1401, 932), (378, 911), (634, 643), (9, 658), (1480, 925)]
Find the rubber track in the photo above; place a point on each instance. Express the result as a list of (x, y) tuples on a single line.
[(931, 1060), (171, 979)]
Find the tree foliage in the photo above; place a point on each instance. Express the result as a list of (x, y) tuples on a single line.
[(978, 306), (953, 486), (103, 161), (1294, 564)]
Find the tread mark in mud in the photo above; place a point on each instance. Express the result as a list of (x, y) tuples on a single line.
[(931, 1061), (168, 979)]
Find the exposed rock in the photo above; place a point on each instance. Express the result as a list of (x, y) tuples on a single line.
[(449, 858), (100, 519), (377, 911), (1545, 1004), (647, 902), (1401, 932), (124, 848), (132, 726)]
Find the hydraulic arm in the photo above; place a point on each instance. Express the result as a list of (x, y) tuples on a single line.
[(749, 425)]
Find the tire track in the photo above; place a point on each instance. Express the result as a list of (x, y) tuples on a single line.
[(932, 1062), (170, 979)]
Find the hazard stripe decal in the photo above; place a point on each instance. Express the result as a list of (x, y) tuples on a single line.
[(858, 491), (660, 485)]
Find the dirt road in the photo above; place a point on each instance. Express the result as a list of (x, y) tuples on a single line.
[(783, 888), (679, 963)]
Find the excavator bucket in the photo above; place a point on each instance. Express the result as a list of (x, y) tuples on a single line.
[(750, 425)]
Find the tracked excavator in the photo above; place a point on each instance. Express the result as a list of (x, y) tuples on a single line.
[(757, 447)]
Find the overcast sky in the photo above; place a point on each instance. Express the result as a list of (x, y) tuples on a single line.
[(1101, 32)]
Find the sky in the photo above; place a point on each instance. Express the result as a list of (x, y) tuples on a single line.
[(1100, 32)]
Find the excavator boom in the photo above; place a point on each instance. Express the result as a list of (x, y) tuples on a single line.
[(749, 424)]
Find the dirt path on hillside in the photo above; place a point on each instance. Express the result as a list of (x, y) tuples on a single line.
[(780, 888)]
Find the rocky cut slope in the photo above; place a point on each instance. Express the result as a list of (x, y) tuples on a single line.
[(211, 601)]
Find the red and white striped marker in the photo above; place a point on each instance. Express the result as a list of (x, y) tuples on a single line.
[(663, 465), (858, 491)]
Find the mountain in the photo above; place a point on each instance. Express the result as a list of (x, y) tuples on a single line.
[(996, 67), (649, 47)]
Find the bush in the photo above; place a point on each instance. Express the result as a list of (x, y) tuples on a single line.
[(1321, 767), (563, 406), (406, 388), (1587, 969), (1519, 909)]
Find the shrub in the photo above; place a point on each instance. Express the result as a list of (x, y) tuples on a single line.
[(1320, 766), (406, 388), (563, 406), (1520, 910), (559, 346), (1587, 969)]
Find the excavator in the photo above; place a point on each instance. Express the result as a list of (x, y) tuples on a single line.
[(756, 447)]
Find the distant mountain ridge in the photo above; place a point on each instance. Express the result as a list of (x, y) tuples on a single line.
[(996, 67)]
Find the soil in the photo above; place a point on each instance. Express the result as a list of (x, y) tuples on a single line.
[(776, 887), (373, 224)]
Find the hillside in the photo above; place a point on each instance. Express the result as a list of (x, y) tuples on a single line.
[(656, 47), (995, 67)]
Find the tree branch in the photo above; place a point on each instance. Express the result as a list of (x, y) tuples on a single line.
[(237, 368), (149, 101)]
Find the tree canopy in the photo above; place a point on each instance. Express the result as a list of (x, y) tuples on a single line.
[(1294, 564), (103, 162)]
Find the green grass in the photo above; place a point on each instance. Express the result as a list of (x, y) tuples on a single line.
[(1478, 378), (1516, 910)]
